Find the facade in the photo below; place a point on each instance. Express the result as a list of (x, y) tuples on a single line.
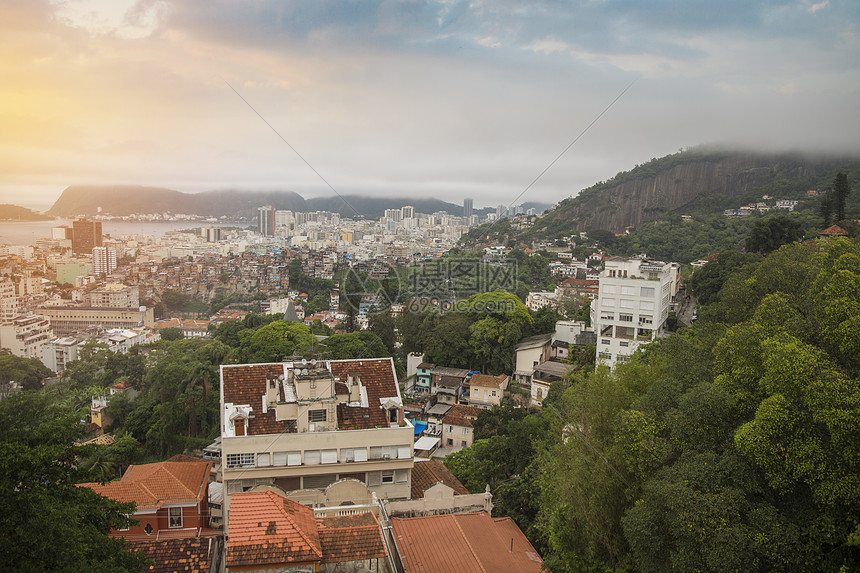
[(10, 307), (545, 374), (305, 425), (537, 300), (632, 306), (487, 391), (457, 432), (86, 235), (266, 220), (531, 351), (26, 335), (171, 498), (467, 208), (447, 383), (104, 260), (114, 296), (67, 319), (422, 377), (68, 273)]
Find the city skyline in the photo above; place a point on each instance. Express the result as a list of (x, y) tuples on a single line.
[(440, 99)]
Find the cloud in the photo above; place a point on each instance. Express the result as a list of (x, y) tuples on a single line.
[(816, 7)]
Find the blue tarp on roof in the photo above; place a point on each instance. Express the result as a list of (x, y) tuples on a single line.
[(419, 427)]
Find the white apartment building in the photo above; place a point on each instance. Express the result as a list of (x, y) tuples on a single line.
[(26, 335), (631, 308), (306, 425), (104, 260)]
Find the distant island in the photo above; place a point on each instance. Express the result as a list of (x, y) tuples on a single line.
[(117, 201), (16, 213)]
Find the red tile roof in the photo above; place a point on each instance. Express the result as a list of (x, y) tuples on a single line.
[(485, 380), (463, 543), (173, 555), (833, 231), (151, 486), (351, 538), (267, 529), (427, 473), (461, 415), (246, 384), (378, 377)]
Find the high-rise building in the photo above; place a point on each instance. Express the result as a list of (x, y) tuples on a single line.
[(407, 212), (266, 220), (211, 234), (393, 215), (631, 307), (104, 260), (86, 235), (467, 208)]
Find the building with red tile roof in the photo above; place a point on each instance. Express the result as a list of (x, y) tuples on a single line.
[(427, 473), (269, 531), (833, 231), (486, 391), (305, 425), (171, 498), (463, 543), (457, 432)]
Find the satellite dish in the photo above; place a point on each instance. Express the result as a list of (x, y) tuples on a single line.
[(313, 362), (304, 361)]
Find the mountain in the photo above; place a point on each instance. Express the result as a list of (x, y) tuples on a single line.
[(16, 213), (123, 200), (700, 180)]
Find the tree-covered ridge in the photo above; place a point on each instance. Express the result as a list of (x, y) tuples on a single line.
[(16, 213)]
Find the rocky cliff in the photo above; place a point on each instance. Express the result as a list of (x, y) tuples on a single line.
[(687, 181)]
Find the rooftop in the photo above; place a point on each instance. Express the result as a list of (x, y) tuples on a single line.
[(151, 486), (267, 529), (174, 555), (463, 543), (487, 381), (427, 473), (461, 415)]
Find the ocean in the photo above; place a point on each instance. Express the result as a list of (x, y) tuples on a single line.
[(28, 232)]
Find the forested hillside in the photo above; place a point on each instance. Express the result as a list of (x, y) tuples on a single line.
[(729, 446)]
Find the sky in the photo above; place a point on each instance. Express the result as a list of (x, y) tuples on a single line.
[(443, 99)]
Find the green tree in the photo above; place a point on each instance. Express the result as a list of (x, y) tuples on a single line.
[(277, 340), (171, 333), (841, 190), (48, 523), (772, 232), (28, 372), (361, 344)]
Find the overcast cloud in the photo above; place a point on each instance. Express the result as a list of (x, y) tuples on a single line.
[(446, 99)]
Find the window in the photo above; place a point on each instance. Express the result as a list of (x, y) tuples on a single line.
[(604, 341), (239, 426), (316, 416), (174, 517), (463, 443), (383, 452), (607, 316), (607, 302), (626, 304), (124, 528), (646, 291), (625, 317), (624, 343), (392, 415), (450, 442), (263, 460), (465, 431), (312, 457), (493, 393), (540, 393), (401, 476), (646, 305), (328, 456), (240, 460), (628, 290), (610, 289), (318, 482), (404, 452), (450, 428), (646, 319), (387, 476)]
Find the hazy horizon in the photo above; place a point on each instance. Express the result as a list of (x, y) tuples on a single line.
[(427, 99)]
